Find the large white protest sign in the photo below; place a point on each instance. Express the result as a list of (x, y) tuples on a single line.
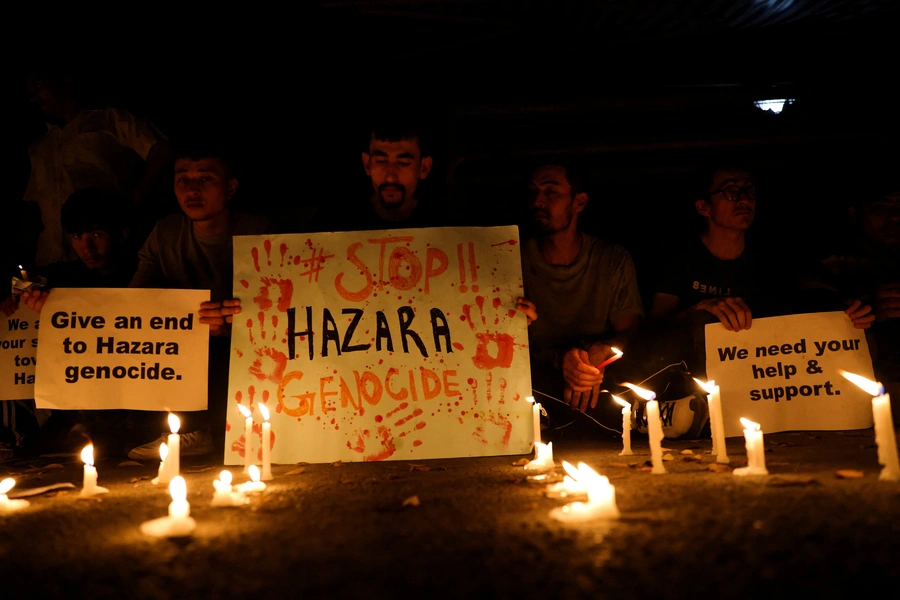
[(380, 345), (18, 346), (141, 349), (783, 373)]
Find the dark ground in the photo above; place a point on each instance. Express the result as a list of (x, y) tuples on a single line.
[(481, 529)]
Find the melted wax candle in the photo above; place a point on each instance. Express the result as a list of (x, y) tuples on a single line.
[(716, 425), (626, 427), (884, 426), (254, 486), (601, 502), (225, 494), (756, 451), (179, 522), (89, 487), (7, 505), (543, 458)]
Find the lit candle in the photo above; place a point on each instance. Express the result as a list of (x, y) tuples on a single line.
[(254, 486), (90, 487), (543, 458), (172, 462), (756, 452), (884, 426), (7, 505), (626, 427), (24, 274), (536, 410), (161, 473), (248, 437), (225, 494), (601, 502), (617, 354), (716, 425), (654, 427), (179, 522), (266, 444), (569, 486)]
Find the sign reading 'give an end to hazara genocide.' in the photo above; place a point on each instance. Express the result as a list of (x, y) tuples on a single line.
[(141, 349), (380, 345), (18, 347), (783, 373)]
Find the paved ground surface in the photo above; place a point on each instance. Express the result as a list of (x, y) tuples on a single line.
[(481, 529)]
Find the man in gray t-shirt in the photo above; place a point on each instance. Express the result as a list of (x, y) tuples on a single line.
[(584, 289)]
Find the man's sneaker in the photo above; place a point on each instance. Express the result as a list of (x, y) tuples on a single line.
[(195, 443), (684, 418)]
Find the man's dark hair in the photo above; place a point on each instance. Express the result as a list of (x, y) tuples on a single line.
[(576, 173), (200, 146), (94, 208), (399, 129)]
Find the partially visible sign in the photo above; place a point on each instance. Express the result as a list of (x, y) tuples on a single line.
[(18, 347)]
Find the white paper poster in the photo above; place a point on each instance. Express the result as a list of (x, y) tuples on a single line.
[(18, 347), (380, 345), (783, 373), (141, 349)]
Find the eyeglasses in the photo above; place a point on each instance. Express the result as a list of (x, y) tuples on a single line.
[(733, 193)]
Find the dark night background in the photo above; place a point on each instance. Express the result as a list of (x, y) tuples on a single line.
[(643, 93)]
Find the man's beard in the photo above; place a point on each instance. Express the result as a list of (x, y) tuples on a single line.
[(391, 205)]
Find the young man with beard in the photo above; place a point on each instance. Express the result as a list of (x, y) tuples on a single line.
[(584, 289)]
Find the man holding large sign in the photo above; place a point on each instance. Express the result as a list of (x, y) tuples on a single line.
[(380, 345)]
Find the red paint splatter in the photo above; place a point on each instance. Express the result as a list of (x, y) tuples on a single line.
[(268, 246), (283, 249), (458, 346), (379, 418), (496, 302), (417, 443), (245, 283), (505, 345), (273, 369), (511, 313), (387, 445), (254, 252), (402, 406), (409, 417), (239, 353), (463, 288), (510, 242)]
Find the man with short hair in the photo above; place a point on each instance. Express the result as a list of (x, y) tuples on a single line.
[(583, 288), (194, 250)]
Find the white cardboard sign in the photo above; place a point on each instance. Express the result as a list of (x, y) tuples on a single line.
[(18, 347)]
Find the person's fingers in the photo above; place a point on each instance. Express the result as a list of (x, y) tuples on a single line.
[(584, 400), (210, 304), (567, 395), (595, 395), (724, 315), (741, 313), (232, 302), (851, 308), (212, 320)]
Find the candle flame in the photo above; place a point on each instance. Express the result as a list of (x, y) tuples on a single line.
[(710, 386), (244, 411), (617, 351), (87, 455), (621, 402), (589, 477), (645, 394), (225, 477), (178, 489), (571, 470), (254, 473), (6, 485), (530, 399), (873, 388), (264, 411), (748, 424), (174, 423), (163, 451)]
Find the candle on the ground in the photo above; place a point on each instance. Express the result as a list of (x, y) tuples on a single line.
[(161, 472), (90, 487), (716, 424), (7, 505), (626, 427), (884, 426), (569, 486), (543, 458), (266, 444), (225, 494), (654, 427), (756, 451), (173, 455), (536, 410), (179, 522), (254, 486), (601, 503), (617, 354), (248, 437)]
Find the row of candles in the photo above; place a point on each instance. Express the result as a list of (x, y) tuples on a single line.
[(601, 496), (178, 522)]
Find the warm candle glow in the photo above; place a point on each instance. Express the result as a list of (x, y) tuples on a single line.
[(571, 470), (174, 423), (873, 388), (709, 386), (530, 399), (87, 455), (254, 473), (225, 477), (748, 424), (6, 485), (617, 351), (178, 489), (244, 411), (621, 402), (641, 392), (163, 451), (264, 411)]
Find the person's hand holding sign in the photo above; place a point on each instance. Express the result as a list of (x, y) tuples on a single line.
[(219, 315), (527, 308), (860, 314), (733, 313), (35, 299)]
